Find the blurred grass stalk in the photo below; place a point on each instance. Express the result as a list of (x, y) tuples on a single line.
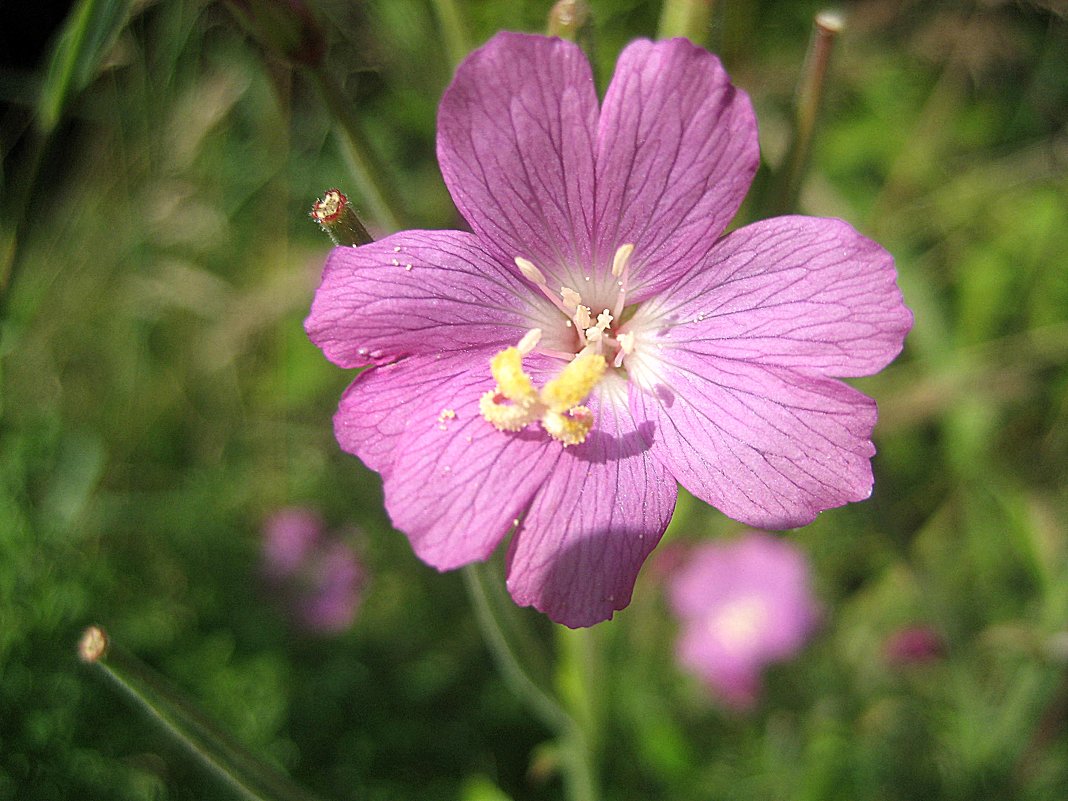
[(288, 29), (508, 642), (75, 58), (453, 29), (689, 18), (210, 746), (808, 100)]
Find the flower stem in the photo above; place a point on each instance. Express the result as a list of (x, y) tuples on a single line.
[(211, 747), (807, 102), (576, 761), (372, 185)]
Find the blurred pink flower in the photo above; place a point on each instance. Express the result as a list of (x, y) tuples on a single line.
[(288, 536), (319, 576), (743, 605), (913, 645)]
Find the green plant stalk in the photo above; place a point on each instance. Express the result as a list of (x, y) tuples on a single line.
[(807, 103), (372, 185), (214, 749), (579, 675), (453, 29), (577, 760), (689, 18)]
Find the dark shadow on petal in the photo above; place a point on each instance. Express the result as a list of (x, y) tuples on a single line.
[(600, 448), (664, 395), (590, 580)]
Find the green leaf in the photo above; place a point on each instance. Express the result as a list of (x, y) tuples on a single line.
[(83, 43)]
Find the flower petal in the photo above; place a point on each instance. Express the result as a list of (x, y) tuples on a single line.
[(515, 134), (801, 292), (765, 445), (383, 403), (601, 511), (457, 484), (372, 309), (676, 152)]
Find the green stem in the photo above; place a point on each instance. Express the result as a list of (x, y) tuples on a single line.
[(807, 103), (689, 18), (453, 29), (575, 748), (371, 183), (211, 747)]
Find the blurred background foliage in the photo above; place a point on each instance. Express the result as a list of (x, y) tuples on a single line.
[(160, 401)]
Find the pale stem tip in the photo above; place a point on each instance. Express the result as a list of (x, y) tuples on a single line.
[(568, 18), (338, 219), (93, 644), (831, 21)]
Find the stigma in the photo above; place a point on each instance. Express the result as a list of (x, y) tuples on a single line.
[(514, 403)]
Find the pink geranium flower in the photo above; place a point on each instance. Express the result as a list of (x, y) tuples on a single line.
[(317, 574), (743, 605), (597, 339)]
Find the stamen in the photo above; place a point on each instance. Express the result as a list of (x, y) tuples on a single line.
[(505, 416), (604, 320), (537, 277), (574, 383), (514, 403), (621, 270), (571, 427), (582, 317), (530, 272), (570, 297), (626, 347), (529, 341), (621, 260), (512, 382)]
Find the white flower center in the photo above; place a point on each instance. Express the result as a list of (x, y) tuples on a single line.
[(515, 402)]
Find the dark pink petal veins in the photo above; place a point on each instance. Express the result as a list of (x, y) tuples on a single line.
[(601, 511), (515, 144), (768, 446), (457, 484), (801, 292), (416, 292), (676, 152), (384, 403)]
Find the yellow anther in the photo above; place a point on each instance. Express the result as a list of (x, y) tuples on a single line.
[(512, 382), (571, 427), (514, 403), (574, 383), (505, 416)]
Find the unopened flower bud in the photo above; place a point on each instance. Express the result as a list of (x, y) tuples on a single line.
[(337, 218)]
